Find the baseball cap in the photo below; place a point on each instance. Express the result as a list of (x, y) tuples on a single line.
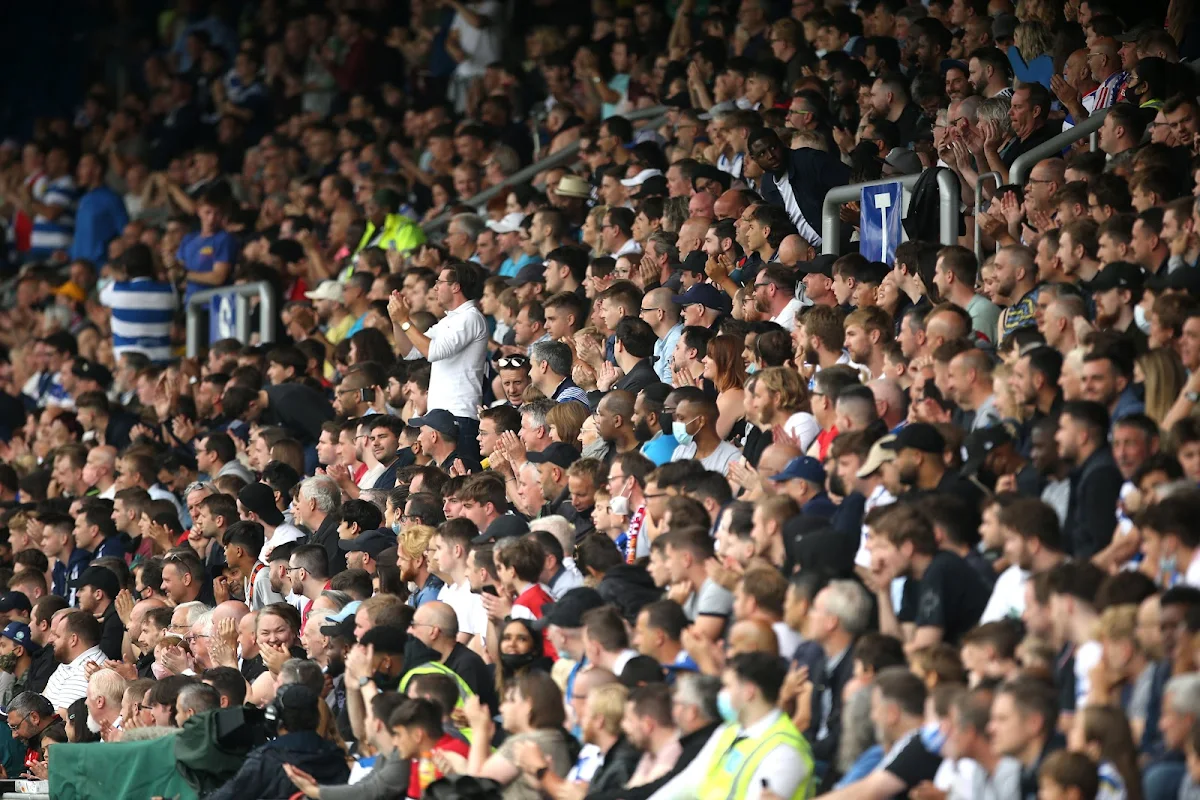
[(918, 436), (1119, 275), (373, 542), (530, 273), (17, 601), (100, 578), (558, 453), (1135, 33), (503, 527), (327, 290), (821, 265), (260, 499), (695, 262), (903, 160), (296, 696), (90, 370), (704, 294), (877, 457), (17, 632), (654, 186), (1004, 26), (979, 443), (71, 290), (640, 178), (804, 467), (439, 419), (510, 223), (573, 186), (568, 611)]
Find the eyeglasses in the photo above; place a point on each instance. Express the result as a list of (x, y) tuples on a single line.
[(19, 724), (410, 518), (512, 362), (290, 570), (648, 310)]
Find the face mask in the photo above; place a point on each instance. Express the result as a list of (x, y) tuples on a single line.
[(396, 526), (681, 432), (1139, 319), (1166, 565), (517, 661), (8, 662), (751, 369), (837, 485), (725, 706), (932, 737), (667, 420)]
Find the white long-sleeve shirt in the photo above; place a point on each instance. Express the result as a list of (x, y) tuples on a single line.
[(457, 352), (781, 770)]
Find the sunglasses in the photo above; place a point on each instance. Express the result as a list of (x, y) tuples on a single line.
[(512, 362)]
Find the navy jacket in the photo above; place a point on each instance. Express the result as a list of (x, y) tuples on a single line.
[(812, 173), (262, 774)]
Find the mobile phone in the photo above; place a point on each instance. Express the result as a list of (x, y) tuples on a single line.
[(366, 395)]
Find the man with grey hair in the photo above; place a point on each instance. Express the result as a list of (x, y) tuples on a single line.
[(550, 372), (193, 699), (316, 509), (840, 613), (462, 234), (105, 691)]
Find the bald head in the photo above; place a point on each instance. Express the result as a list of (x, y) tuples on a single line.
[(439, 615), (701, 204), (1050, 170), (661, 298), (794, 249), (230, 609), (889, 397), (945, 326), (752, 636), (775, 458), (730, 205)]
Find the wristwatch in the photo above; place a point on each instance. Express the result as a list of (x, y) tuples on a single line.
[(363, 681), (404, 326), (1192, 397)]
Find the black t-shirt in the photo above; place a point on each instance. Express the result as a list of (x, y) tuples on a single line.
[(950, 595), (913, 764)]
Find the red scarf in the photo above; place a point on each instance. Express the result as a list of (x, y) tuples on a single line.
[(633, 532)]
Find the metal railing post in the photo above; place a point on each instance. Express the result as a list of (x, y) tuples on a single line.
[(996, 176), (949, 204), (1018, 173), (241, 293)]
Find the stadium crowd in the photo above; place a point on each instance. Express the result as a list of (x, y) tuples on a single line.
[(607, 483)]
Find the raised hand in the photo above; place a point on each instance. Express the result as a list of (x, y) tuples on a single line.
[(398, 308), (124, 602)]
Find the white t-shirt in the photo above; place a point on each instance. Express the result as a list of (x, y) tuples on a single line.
[(716, 461), (481, 45), (803, 426), (1087, 656), (1008, 596), (467, 605)]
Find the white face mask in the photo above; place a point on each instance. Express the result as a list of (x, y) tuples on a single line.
[(1139, 319)]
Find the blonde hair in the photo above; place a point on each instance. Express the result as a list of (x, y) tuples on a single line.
[(609, 702), (1033, 39), (793, 394), (1118, 623), (415, 541), (1039, 11), (1164, 374)]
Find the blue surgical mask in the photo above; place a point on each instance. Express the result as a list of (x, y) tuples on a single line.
[(932, 737), (679, 430), (725, 707), (751, 368), (396, 526)]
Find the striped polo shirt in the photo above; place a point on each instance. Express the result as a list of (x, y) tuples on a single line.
[(143, 311), (51, 235)]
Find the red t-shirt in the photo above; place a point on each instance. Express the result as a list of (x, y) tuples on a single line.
[(447, 744), (535, 598), (824, 439)]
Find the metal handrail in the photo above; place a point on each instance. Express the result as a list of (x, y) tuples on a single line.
[(1054, 146), (656, 115), (993, 175), (242, 292), (948, 191)]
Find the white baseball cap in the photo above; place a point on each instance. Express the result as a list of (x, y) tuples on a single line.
[(640, 178), (328, 290), (510, 223)]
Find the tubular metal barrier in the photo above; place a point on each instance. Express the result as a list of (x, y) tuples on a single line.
[(656, 115), (241, 293), (1018, 173), (948, 215), (993, 175)]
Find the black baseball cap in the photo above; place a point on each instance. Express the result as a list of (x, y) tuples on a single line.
[(503, 527), (1119, 275), (439, 419), (979, 443), (558, 453), (17, 601), (260, 499), (373, 542), (695, 262), (569, 610), (530, 273), (100, 578), (918, 436), (821, 265), (90, 370), (390, 639)]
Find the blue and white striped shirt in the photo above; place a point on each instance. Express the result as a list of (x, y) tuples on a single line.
[(50, 235), (143, 311)]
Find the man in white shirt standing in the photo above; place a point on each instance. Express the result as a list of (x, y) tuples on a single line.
[(456, 348), (76, 642)]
